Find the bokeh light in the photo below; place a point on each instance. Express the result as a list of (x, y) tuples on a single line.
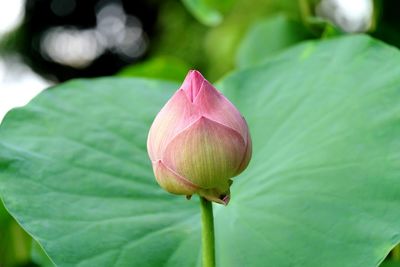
[(115, 31), (11, 14), (351, 16), (18, 83)]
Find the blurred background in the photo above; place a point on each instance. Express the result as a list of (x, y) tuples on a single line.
[(45, 42)]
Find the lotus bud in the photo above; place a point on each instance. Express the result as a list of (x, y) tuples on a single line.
[(198, 142)]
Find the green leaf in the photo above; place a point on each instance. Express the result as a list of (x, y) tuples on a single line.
[(167, 68), (323, 185), (269, 37), (322, 188), (204, 12), (83, 183)]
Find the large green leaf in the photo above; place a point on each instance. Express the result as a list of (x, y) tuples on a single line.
[(77, 177), (322, 188)]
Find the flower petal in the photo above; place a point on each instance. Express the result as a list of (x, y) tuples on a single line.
[(177, 113), (247, 156), (192, 84), (171, 181), (213, 105), (206, 153)]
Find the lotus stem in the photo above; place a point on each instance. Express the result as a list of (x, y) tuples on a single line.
[(207, 233)]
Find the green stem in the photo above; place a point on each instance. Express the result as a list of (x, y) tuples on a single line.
[(305, 11), (207, 233)]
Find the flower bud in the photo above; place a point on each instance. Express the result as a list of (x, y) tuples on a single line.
[(198, 142)]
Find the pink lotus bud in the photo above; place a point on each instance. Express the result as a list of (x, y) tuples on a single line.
[(198, 142)]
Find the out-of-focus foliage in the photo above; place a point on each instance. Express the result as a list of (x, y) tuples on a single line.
[(390, 264), (221, 42), (323, 176), (268, 38), (203, 11), (211, 49), (14, 241), (167, 68), (388, 21), (173, 31), (208, 12), (179, 35)]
